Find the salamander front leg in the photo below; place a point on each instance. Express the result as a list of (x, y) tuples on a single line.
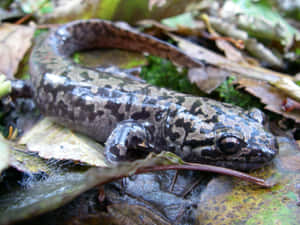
[(130, 140)]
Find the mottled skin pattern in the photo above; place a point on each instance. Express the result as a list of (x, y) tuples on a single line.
[(129, 115)]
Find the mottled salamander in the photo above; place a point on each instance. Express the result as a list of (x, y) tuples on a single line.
[(127, 114)]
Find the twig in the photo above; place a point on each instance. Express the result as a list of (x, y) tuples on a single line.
[(173, 181), (214, 36), (198, 167)]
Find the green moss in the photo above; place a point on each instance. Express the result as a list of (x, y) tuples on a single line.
[(38, 32), (76, 57), (230, 95), (163, 73)]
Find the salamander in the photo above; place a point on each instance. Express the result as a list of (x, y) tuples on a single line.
[(134, 118)]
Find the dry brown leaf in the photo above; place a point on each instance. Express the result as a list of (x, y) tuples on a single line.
[(15, 40), (288, 87), (230, 52), (269, 96), (215, 59), (257, 77), (207, 79)]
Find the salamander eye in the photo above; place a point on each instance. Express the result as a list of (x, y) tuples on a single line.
[(229, 145)]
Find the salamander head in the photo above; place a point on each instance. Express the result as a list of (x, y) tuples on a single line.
[(237, 141)]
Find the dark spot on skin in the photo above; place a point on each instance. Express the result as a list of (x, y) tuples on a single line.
[(214, 119), (173, 136), (210, 153), (196, 108), (180, 99), (114, 108), (104, 92), (205, 131), (143, 115), (199, 143), (65, 73), (186, 125), (158, 116), (62, 110), (217, 109), (85, 76), (116, 94), (150, 101)]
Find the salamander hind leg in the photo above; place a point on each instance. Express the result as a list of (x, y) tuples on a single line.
[(130, 140)]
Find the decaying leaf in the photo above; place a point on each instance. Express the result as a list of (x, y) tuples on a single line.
[(269, 96), (41, 196), (15, 40), (129, 214), (291, 162), (4, 154), (27, 163), (286, 160), (61, 186), (53, 141)]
